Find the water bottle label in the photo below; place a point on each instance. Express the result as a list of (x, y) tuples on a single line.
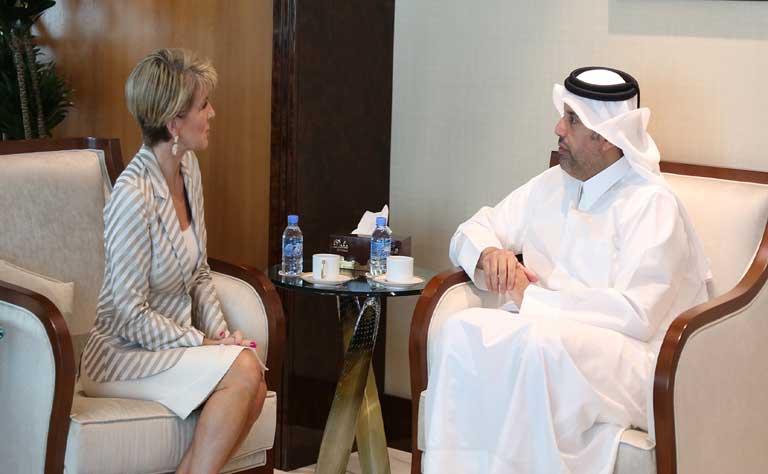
[(380, 248), (293, 249)]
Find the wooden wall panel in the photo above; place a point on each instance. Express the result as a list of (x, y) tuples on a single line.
[(96, 43), (332, 96)]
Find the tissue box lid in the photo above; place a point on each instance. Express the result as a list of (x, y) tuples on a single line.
[(358, 247)]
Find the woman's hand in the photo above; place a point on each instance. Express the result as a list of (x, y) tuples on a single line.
[(233, 339)]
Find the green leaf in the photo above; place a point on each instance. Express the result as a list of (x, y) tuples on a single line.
[(55, 94)]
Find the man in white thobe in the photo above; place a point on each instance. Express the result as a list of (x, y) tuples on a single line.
[(548, 383)]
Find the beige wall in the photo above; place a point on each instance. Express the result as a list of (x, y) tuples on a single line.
[(96, 43), (473, 118)]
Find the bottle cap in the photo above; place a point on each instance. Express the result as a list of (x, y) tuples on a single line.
[(381, 221), (293, 219)]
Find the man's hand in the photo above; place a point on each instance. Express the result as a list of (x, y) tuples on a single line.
[(503, 273), (523, 278), (234, 339)]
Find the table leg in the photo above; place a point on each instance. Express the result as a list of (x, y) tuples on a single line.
[(371, 439), (356, 402)]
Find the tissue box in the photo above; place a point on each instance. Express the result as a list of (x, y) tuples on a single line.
[(358, 247)]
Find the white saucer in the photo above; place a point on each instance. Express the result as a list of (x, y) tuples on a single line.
[(339, 280), (383, 280)]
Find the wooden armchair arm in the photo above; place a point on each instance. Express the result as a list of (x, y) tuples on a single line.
[(743, 301), (274, 309), (63, 364), (417, 346)]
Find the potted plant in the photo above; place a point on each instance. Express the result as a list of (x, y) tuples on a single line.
[(33, 99)]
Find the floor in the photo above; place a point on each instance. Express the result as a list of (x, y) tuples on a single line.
[(399, 462)]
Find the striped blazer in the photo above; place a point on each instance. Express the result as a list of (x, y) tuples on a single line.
[(149, 307)]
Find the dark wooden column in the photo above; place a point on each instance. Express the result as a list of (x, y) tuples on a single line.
[(331, 116)]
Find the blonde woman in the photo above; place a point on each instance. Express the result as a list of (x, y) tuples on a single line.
[(159, 333)]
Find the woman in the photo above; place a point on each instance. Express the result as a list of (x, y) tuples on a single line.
[(159, 333)]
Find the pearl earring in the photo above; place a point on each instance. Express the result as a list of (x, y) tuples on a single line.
[(175, 146)]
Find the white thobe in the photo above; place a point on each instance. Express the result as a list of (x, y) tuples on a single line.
[(551, 388)]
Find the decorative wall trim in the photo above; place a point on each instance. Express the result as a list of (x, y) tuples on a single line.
[(283, 188)]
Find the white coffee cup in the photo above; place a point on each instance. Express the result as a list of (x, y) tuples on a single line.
[(399, 268), (325, 266)]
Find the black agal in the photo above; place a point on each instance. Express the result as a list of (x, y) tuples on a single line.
[(610, 93)]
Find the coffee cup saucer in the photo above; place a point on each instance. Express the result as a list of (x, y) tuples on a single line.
[(414, 280), (339, 280)]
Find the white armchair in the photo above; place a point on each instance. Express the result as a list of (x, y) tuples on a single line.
[(711, 381), (52, 193)]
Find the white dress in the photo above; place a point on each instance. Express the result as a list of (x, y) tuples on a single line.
[(187, 384), (551, 388)]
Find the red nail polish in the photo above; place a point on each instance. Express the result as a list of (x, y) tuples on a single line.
[(253, 344)]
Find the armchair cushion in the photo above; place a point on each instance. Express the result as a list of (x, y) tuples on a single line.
[(61, 294), (70, 188), (110, 435), (730, 239), (244, 310)]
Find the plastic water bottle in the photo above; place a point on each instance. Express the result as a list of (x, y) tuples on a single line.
[(381, 246), (293, 248)]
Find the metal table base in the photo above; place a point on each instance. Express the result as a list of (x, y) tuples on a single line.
[(356, 410)]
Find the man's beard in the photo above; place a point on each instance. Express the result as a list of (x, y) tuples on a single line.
[(566, 159)]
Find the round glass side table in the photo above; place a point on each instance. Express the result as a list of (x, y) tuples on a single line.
[(355, 411)]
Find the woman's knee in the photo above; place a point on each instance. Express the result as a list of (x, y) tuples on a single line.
[(246, 371), (259, 399), (261, 395), (262, 389)]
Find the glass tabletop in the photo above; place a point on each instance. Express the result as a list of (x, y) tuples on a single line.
[(356, 285)]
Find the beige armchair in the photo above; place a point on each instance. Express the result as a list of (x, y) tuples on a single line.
[(52, 193), (710, 393)]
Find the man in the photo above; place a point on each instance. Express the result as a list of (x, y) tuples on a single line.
[(610, 258)]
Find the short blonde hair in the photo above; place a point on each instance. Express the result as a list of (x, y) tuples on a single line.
[(162, 86)]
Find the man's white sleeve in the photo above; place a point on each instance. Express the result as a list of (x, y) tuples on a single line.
[(502, 226), (650, 269)]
